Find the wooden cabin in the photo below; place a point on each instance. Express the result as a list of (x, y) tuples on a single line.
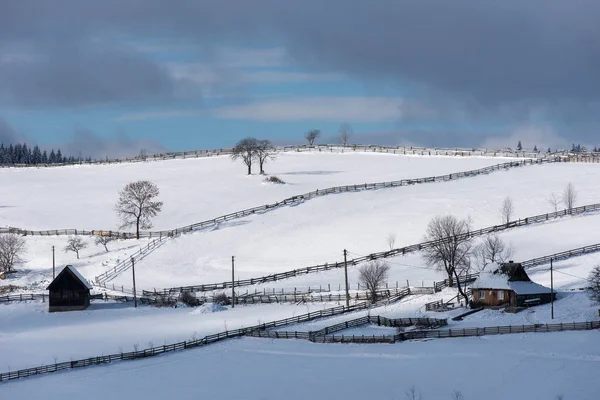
[(69, 291), (508, 285)]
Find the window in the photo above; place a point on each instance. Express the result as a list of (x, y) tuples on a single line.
[(482, 294), (500, 294)]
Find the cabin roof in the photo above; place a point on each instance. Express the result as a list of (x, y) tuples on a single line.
[(70, 269), (508, 276)]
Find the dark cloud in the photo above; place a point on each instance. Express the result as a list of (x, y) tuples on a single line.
[(512, 60), (514, 50), (78, 73)]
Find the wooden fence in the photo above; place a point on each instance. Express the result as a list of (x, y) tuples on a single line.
[(128, 262), (385, 254), (289, 201), (154, 351), (405, 150), (500, 330)]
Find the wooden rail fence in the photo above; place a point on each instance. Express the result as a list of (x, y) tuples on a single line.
[(157, 350), (385, 254), (289, 201)]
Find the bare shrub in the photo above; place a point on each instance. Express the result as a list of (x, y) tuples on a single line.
[(491, 250), (221, 299), (312, 135), (391, 240), (274, 179), (12, 247), (136, 205), (413, 394), (373, 275), (569, 197), (594, 279), (451, 246), (554, 201), (104, 241), (75, 244), (189, 299), (507, 210)]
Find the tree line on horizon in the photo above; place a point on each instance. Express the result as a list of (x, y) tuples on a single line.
[(23, 154)]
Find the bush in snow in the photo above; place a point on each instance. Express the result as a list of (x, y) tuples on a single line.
[(274, 179), (221, 299), (189, 299)]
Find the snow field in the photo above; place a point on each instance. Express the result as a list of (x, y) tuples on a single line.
[(195, 190), (522, 366), (30, 336), (318, 230)]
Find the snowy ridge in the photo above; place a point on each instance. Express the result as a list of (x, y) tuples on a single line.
[(294, 200), (410, 150)]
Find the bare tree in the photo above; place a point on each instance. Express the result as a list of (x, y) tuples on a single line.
[(104, 241), (391, 240), (507, 210), (449, 246), (413, 394), (245, 150), (312, 135), (345, 133), (457, 395), (136, 205), (12, 247), (75, 244), (594, 279), (569, 196), (491, 250), (264, 152), (373, 275), (554, 201)]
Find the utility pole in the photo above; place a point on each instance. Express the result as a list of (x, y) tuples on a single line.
[(53, 265), (346, 277), (232, 281), (552, 289), (134, 292)]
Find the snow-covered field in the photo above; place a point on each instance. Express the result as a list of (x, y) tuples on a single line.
[(310, 233), (524, 366)]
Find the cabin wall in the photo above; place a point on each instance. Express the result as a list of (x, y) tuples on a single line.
[(491, 297)]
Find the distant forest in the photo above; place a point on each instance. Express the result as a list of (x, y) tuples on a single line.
[(23, 154)]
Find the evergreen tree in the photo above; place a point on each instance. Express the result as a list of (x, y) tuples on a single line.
[(59, 157), (52, 158), (549, 150), (535, 148), (519, 146)]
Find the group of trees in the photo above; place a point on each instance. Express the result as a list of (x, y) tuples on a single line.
[(344, 134), (23, 154), (251, 150)]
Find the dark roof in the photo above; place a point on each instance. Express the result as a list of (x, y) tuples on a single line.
[(70, 270), (514, 271)]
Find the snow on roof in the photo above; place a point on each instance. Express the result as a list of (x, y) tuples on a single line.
[(528, 288), (79, 276), (492, 278)]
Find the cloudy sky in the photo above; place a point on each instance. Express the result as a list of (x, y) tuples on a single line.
[(119, 75)]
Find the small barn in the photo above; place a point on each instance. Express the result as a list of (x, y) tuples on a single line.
[(69, 291), (507, 284)]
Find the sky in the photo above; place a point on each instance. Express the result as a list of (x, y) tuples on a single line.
[(118, 76)]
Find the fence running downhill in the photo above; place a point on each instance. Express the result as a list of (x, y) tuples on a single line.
[(167, 348), (385, 254)]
